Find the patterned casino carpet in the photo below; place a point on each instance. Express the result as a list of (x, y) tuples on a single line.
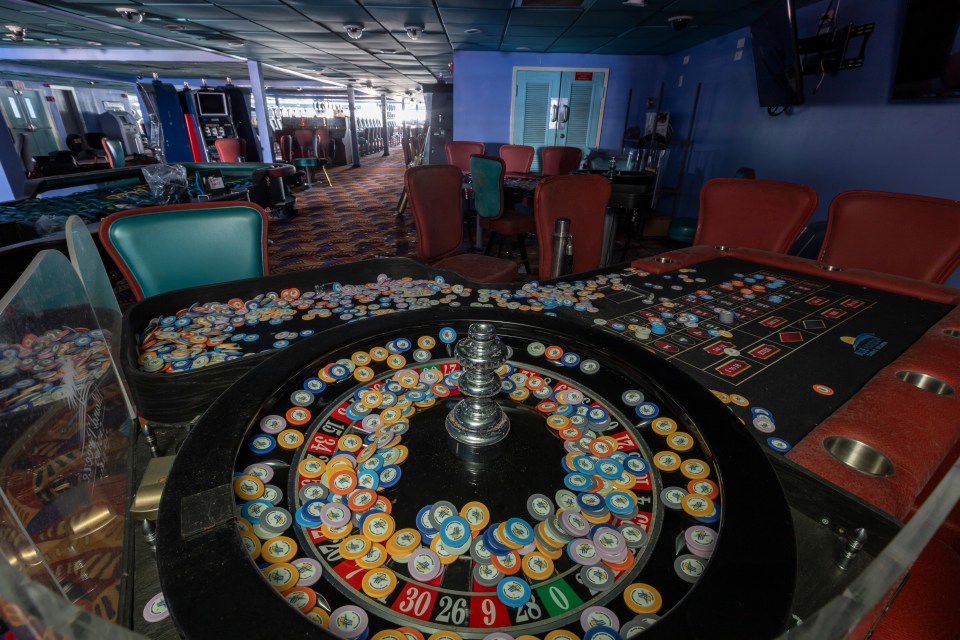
[(349, 221)]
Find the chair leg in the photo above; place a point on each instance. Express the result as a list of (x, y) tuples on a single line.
[(522, 241), (306, 174), (466, 223), (402, 203), (630, 227), (490, 240), (329, 181)]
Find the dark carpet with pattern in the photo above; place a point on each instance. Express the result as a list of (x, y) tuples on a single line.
[(354, 219)]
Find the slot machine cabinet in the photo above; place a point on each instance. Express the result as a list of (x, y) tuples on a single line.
[(238, 102), (337, 151), (214, 119), (167, 110), (438, 101)]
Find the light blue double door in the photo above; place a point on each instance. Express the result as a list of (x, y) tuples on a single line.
[(558, 108)]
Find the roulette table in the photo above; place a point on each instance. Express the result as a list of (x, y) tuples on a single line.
[(93, 195), (623, 496)]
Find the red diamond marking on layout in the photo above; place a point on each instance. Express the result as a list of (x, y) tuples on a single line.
[(791, 336)]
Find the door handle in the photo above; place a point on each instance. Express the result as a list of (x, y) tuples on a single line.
[(553, 113), (566, 113)]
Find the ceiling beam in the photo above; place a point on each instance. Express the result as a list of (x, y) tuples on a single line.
[(99, 54)]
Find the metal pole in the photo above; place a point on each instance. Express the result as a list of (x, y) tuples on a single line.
[(260, 104), (561, 240), (354, 141), (383, 130)]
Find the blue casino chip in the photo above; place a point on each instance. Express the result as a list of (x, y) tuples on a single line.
[(262, 444), (778, 444), (513, 592)]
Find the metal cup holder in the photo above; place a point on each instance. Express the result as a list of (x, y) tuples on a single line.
[(722, 247), (953, 333), (828, 267), (664, 260), (859, 455), (925, 382)]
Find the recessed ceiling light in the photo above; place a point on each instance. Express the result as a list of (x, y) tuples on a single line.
[(95, 44), (473, 31), (132, 43), (523, 48)]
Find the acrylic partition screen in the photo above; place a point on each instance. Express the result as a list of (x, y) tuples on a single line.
[(88, 265), (852, 613), (65, 446)]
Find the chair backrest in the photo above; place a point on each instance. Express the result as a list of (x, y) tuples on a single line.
[(434, 192), (517, 157), (912, 236), (75, 144), (583, 200), (230, 149), (286, 148), (160, 249), (558, 161), (114, 150), (459, 152), (307, 141), (486, 173), (758, 214)]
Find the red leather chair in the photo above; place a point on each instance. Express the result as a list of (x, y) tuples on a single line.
[(487, 173), (582, 199), (558, 161), (517, 157), (757, 214), (459, 152), (231, 149), (434, 192), (911, 236)]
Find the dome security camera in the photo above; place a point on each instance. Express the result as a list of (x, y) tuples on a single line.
[(354, 30), (130, 15), (413, 31), (679, 23)]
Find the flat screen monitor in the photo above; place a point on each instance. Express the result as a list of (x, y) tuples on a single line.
[(929, 61), (212, 103), (774, 37)]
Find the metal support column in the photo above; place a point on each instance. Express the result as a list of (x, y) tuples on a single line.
[(260, 104), (384, 132), (354, 141)]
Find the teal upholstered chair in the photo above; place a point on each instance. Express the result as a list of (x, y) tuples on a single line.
[(309, 157), (114, 151), (160, 249), (487, 175)]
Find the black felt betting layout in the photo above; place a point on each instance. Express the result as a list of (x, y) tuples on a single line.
[(831, 335)]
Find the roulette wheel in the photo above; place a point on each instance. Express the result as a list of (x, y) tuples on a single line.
[(468, 473)]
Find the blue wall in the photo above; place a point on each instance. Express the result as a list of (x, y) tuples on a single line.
[(847, 135), (481, 105)]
